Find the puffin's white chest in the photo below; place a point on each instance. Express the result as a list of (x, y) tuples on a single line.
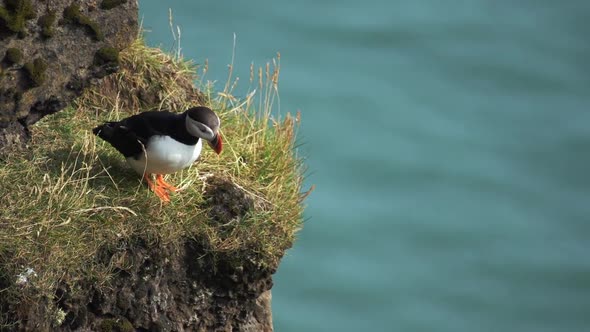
[(165, 155)]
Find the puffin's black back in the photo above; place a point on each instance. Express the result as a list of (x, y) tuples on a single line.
[(130, 135)]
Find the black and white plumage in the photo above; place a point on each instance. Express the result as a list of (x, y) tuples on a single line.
[(162, 142)]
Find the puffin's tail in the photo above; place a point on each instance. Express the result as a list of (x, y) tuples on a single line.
[(120, 137)]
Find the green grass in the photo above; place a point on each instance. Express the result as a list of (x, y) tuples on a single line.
[(71, 195)]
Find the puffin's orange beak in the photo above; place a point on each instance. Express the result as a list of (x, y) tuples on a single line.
[(216, 144)]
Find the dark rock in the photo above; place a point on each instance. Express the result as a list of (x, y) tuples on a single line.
[(227, 201), (48, 62), (13, 134), (110, 4), (42, 108), (166, 288)]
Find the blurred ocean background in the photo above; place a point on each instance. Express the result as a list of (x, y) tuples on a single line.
[(450, 145)]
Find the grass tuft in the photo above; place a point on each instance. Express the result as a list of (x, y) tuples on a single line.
[(148, 79), (71, 195)]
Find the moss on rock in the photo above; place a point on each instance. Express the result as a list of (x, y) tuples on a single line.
[(106, 325), (46, 23), (36, 71), (13, 56), (125, 326), (116, 325), (110, 4), (106, 55), (73, 15), (14, 15)]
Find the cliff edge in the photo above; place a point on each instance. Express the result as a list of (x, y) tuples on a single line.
[(84, 245)]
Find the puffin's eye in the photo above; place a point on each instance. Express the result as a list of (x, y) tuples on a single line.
[(204, 129)]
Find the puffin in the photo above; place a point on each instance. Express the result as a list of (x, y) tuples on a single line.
[(162, 142)]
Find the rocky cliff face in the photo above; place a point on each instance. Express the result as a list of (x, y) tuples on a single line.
[(168, 288), (179, 286), (51, 50), (159, 288)]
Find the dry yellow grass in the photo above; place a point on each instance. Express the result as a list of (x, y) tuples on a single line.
[(71, 195)]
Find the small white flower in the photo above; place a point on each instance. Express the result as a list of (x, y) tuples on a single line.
[(59, 317), (23, 278)]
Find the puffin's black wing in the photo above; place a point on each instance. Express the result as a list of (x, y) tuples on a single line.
[(130, 136)]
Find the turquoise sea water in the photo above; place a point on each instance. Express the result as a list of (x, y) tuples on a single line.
[(450, 145)]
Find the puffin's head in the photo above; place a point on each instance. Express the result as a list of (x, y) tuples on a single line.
[(202, 122)]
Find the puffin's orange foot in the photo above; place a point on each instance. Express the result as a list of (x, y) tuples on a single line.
[(160, 181), (157, 189), (162, 194)]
